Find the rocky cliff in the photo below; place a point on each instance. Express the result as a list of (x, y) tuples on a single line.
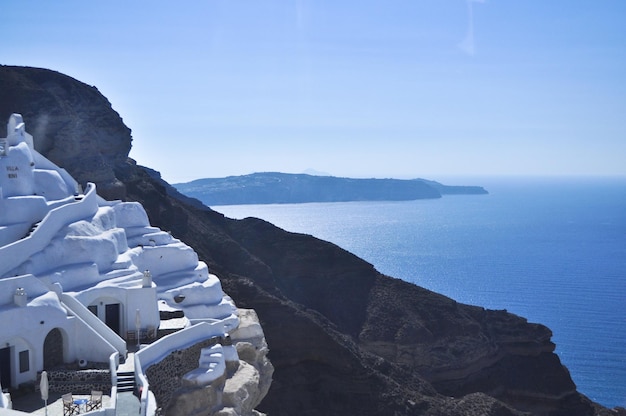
[(343, 338), (69, 126)]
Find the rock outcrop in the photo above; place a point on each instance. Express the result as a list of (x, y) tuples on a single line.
[(73, 125), (343, 338)]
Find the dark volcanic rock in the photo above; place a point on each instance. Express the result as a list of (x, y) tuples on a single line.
[(343, 338), (72, 124)]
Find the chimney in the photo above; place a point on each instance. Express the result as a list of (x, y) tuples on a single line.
[(20, 298)]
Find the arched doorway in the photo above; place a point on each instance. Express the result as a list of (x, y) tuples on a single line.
[(53, 349)]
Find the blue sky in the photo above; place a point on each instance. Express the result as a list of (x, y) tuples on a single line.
[(399, 88)]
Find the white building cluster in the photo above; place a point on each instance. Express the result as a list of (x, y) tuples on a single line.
[(81, 276)]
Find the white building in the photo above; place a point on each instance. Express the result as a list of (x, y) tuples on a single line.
[(80, 275)]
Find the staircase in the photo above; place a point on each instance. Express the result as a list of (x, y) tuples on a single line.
[(32, 228), (125, 381)]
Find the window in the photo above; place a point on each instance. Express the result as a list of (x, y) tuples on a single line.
[(24, 361), (93, 309)]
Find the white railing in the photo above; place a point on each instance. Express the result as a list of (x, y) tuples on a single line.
[(147, 401), (158, 350), (79, 310), (227, 323), (111, 408), (114, 362)]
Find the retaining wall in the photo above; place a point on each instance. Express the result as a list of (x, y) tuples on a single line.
[(77, 382), (166, 376)]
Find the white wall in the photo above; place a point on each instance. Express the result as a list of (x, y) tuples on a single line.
[(73, 276), (59, 217), (182, 339), (88, 344), (20, 209), (16, 171), (10, 233), (131, 214), (42, 163), (165, 259), (33, 286), (95, 324), (130, 299), (145, 300), (49, 184), (25, 328)]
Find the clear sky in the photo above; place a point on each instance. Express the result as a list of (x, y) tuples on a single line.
[(398, 88)]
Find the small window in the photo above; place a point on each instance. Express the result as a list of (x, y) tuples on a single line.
[(93, 309), (24, 361)]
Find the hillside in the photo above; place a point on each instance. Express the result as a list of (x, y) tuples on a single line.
[(281, 188), (343, 338)]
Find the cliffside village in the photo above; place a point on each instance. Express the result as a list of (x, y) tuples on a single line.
[(102, 301)]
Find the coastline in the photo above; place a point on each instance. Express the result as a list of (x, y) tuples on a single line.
[(556, 303)]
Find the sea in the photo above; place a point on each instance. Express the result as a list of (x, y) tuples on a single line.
[(552, 250)]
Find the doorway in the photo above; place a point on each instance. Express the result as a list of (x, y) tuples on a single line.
[(5, 367), (53, 349), (112, 317)]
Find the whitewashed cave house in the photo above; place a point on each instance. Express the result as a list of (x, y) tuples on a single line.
[(80, 276)]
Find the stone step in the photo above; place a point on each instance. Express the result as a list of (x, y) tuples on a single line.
[(125, 389), (125, 381), (32, 229)]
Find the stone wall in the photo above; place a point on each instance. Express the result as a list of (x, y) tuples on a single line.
[(165, 377), (77, 382)]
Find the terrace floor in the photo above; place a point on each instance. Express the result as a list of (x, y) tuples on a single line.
[(127, 404)]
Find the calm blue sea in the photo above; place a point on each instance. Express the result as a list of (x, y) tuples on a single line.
[(551, 250)]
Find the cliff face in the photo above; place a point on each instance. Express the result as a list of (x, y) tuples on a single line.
[(72, 123), (343, 338)]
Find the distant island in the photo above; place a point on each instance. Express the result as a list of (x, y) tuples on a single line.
[(286, 188)]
